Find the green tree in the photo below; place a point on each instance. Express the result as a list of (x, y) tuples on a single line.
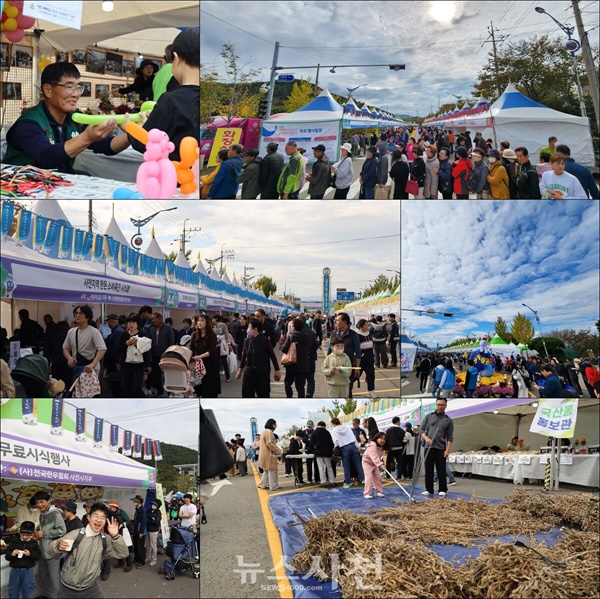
[(347, 407), (300, 95), (539, 67), (212, 94), (267, 285), (521, 329), (292, 430), (382, 283), (583, 342), (501, 329), (555, 346)]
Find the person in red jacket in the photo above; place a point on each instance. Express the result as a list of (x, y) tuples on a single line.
[(460, 173)]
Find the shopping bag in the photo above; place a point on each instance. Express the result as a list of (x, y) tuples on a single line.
[(232, 362), (383, 193)]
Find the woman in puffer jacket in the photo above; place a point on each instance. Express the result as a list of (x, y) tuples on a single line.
[(432, 166)]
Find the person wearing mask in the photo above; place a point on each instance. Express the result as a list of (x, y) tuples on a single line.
[(254, 364), (368, 173), (153, 518), (477, 182), (497, 178), (344, 438), (432, 168), (527, 180), (343, 172), (509, 162), (270, 169), (205, 347)]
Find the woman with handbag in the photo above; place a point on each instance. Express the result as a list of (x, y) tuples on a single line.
[(268, 457), (399, 174), (204, 347), (296, 371), (134, 357), (222, 332)]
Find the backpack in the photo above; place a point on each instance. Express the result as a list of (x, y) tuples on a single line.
[(78, 540), (379, 333)]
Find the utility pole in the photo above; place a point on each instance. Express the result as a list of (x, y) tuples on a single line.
[(272, 81), (592, 75), (493, 40), (316, 88), (247, 269), (91, 216), (184, 238)]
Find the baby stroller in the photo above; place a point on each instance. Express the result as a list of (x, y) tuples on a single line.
[(32, 373), (182, 553), (175, 363)]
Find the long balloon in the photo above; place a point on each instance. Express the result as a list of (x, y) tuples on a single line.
[(98, 119)]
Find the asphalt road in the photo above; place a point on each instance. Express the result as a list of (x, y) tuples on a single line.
[(387, 382), (238, 528)]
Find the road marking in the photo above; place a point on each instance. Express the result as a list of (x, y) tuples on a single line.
[(283, 582), (217, 486)]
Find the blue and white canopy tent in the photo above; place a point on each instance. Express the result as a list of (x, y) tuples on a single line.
[(319, 122), (524, 122)]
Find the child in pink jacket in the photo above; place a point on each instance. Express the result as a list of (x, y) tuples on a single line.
[(371, 464)]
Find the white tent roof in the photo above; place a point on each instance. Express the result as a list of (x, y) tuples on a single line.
[(145, 27), (49, 209), (199, 266), (214, 274), (114, 231), (181, 260), (225, 278), (322, 108), (153, 250)]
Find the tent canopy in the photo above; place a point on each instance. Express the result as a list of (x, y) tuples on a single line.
[(126, 27), (322, 108)]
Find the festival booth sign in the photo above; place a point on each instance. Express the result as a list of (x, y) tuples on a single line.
[(41, 450), (319, 122), (408, 353)]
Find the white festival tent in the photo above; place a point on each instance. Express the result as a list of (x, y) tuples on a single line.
[(319, 122), (524, 122)]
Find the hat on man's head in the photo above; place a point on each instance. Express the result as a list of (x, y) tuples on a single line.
[(112, 317), (272, 145), (27, 526), (461, 151), (319, 148), (493, 152), (138, 499), (251, 152), (70, 506), (310, 423), (509, 154), (156, 502), (113, 502)]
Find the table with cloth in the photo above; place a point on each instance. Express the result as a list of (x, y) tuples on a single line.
[(583, 471)]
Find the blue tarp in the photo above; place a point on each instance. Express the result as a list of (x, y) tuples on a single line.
[(323, 502)]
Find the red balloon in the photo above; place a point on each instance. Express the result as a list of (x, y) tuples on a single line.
[(25, 22), (14, 36), (4, 17)]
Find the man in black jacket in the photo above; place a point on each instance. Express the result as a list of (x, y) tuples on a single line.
[(308, 445), (296, 449), (425, 370), (163, 336), (317, 325), (153, 517), (528, 182), (313, 347), (267, 327), (322, 447), (270, 169), (395, 437)]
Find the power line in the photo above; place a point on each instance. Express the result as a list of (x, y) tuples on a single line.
[(254, 247), (236, 27)]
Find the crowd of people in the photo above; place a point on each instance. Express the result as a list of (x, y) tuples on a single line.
[(74, 553), (530, 377), (426, 163), (121, 356)]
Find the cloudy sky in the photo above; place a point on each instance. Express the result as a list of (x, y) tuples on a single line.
[(291, 242), (441, 43), (233, 416), (160, 419), (483, 259)]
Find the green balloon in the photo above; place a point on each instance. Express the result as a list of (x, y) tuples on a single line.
[(148, 105), (98, 119)]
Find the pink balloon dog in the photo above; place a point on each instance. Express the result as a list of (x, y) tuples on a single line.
[(157, 178)]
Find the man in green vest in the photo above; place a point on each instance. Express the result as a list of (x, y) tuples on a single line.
[(46, 136), (164, 80)]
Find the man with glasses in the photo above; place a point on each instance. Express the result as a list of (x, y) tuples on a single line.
[(437, 432), (46, 136), (86, 548)]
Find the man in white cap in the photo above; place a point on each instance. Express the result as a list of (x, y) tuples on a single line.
[(343, 173)]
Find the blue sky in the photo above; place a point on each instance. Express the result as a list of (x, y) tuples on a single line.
[(483, 259), (442, 43)]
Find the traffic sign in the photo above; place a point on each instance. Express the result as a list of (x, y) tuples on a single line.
[(287, 77), (345, 296)]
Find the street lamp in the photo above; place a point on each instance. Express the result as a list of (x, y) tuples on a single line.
[(136, 241), (540, 326), (429, 312), (573, 47)]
